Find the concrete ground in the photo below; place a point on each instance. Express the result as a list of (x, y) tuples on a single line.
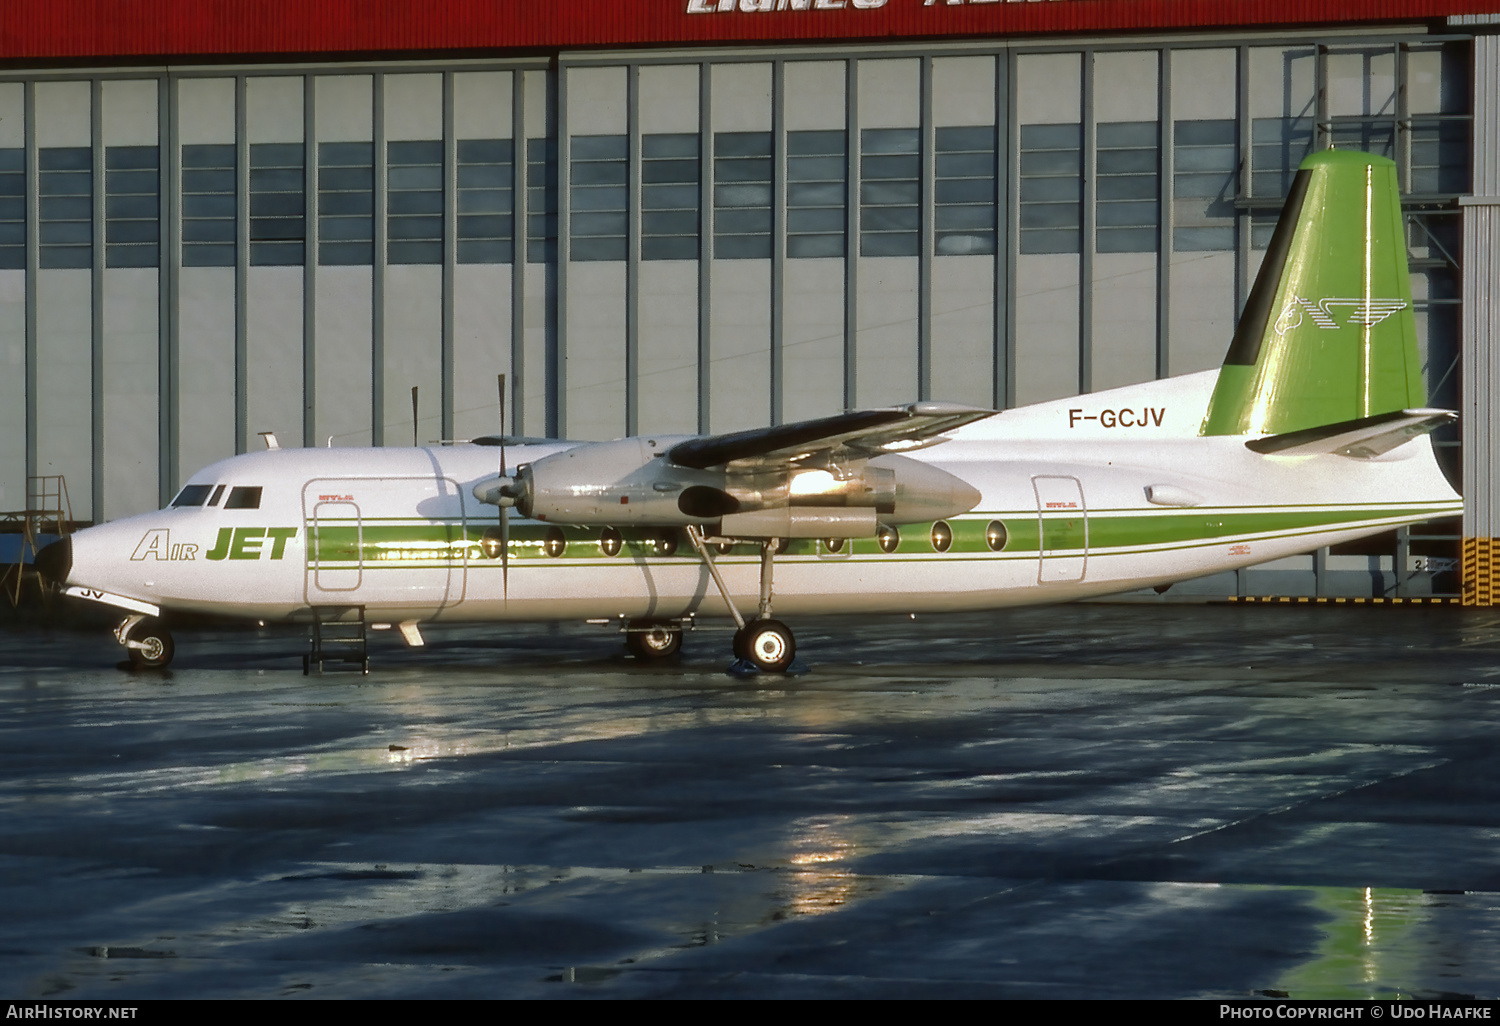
[(1088, 801)]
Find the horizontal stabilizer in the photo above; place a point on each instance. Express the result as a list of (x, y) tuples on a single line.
[(1360, 439)]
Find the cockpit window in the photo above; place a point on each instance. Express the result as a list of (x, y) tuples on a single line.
[(214, 500), (192, 495), (243, 498)]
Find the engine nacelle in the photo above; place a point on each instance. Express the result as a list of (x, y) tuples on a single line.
[(631, 481)]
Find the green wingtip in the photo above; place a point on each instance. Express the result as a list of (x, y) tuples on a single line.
[(1328, 333)]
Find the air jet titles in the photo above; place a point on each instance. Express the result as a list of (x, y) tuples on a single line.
[(232, 543)]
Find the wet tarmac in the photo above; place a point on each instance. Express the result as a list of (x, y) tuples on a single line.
[(1084, 802)]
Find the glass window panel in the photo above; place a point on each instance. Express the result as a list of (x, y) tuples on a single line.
[(1127, 187), (277, 204), (742, 209), (1204, 183), (346, 181), (816, 169)]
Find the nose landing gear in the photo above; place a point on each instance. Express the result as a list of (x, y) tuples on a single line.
[(147, 641)]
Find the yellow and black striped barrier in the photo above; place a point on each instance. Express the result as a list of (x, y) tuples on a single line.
[(1309, 600), (1481, 571)]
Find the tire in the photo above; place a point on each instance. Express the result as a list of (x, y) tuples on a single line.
[(159, 647), (766, 644), (648, 640)]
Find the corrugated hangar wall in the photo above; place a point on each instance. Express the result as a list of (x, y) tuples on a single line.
[(675, 241)]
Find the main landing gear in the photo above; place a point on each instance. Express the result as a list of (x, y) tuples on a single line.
[(147, 641), (764, 643)]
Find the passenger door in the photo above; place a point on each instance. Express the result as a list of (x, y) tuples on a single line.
[(1064, 523)]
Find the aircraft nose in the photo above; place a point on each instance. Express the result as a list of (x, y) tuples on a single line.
[(55, 561)]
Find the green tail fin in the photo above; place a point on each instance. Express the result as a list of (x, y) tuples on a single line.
[(1328, 333)]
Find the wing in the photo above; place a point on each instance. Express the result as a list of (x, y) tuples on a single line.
[(857, 434)]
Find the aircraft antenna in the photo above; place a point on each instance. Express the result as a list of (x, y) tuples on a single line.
[(414, 415)]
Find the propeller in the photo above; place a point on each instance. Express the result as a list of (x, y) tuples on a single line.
[(503, 504)]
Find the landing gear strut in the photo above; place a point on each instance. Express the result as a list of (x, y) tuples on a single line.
[(764, 643), (147, 641)]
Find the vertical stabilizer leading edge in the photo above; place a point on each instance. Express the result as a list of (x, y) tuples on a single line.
[(1328, 335)]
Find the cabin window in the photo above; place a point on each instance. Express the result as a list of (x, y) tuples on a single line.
[(610, 541), (995, 536), (242, 497), (942, 536), (555, 544), (889, 538), (664, 543), (218, 494), (192, 495)]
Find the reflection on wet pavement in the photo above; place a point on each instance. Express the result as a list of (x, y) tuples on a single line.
[(1088, 802)]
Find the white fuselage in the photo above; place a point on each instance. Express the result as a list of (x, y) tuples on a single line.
[(1072, 484)]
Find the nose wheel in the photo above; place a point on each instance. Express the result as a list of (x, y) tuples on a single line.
[(147, 642)]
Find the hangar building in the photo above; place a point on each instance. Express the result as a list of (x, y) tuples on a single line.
[(223, 217)]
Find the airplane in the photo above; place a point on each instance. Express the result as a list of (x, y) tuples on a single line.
[(1313, 432)]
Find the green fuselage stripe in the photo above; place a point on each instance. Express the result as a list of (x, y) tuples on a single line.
[(1104, 532)]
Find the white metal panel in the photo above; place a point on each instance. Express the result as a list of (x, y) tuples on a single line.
[(890, 93), (1202, 311), (62, 114), (343, 107), (12, 388), (1125, 85), (668, 97), (273, 344), (64, 373), (413, 106), (1282, 82), (741, 97), (12, 331), (481, 347), (1046, 343), (812, 344), (885, 347), (1204, 84), (539, 283), (667, 375), (1124, 330), (814, 96), (963, 91), (595, 355), (12, 114), (1048, 88), (273, 108), (413, 351), (129, 112), (667, 290), (205, 366), (131, 395), (740, 346), (481, 105), (596, 101), (1362, 81), (963, 329), (205, 110), (342, 355)]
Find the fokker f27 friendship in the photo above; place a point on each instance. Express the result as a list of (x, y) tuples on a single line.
[(1311, 433)]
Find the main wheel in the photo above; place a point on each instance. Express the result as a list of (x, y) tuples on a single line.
[(768, 644), (151, 645), (647, 639)]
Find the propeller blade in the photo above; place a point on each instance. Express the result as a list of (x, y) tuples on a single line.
[(504, 510), (414, 415)]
